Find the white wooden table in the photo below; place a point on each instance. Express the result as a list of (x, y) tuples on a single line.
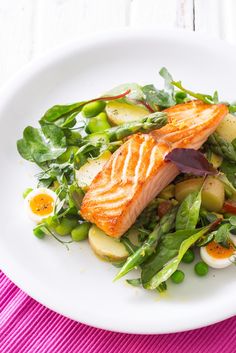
[(30, 27)]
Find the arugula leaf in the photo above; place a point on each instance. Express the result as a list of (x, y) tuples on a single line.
[(201, 96), (157, 98), (172, 265), (41, 145), (188, 212), (168, 79)]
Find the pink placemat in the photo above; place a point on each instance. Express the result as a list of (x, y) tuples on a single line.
[(27, 326)]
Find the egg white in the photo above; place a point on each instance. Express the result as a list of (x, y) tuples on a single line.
[(34, 217), (212, 261)]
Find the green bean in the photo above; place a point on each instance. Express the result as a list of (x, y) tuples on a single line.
[(92, 109)]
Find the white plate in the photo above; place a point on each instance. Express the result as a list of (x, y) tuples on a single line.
[(75, 283)]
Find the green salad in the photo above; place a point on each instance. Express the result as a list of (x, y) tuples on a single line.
[(196, 213)]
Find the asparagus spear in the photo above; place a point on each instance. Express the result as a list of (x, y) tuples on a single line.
[(148, 247), (148, 123), (222, 147)]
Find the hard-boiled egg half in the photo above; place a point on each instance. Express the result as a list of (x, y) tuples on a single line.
[(40, 204), (217, 256)]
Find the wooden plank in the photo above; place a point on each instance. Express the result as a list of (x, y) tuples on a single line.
[(60, 21), (208, 17), (16, 27), (167, 14)]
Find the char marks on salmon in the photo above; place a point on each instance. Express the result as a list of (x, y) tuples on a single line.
[(137, 172)]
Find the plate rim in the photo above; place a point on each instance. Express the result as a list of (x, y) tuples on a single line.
[(59, 53)]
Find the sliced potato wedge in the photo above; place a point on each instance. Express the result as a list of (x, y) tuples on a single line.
[(120, 113), (89, 170), (213, 193), (227, 128), (107, 248)]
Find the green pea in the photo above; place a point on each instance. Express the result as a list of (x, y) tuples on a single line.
[(188, 256), (180, 97), (26, 192), (80, 232), (201, 268), (99, 123), (64, 157), (93, 109), (66, 226), (177, 277)]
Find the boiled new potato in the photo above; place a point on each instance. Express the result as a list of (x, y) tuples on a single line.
[(120, 113), (107, 248), (215, 160), (186, 187), (227, 128), (213, 194), (90, 169)]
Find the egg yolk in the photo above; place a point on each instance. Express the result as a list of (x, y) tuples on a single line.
[(219, 252), (42, 204)]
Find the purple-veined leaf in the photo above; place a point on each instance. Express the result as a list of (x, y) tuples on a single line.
[(191, 161)]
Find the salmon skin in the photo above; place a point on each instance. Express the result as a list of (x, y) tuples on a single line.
[(137, 171)]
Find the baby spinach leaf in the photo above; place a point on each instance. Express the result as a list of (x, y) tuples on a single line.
[(172, 265), (41, 145), (191, 161), (229, 169), (222, 235), (136, 282), (167, 249), (61, 111), (188, 212)]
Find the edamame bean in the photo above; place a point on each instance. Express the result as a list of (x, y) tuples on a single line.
[(66, 226), (93, 109), (188, 256), (99, 123), (177, 277), (26, 192), (201, 268), (80, 232)]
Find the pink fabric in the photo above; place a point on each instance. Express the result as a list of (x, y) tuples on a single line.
[(27, 326)]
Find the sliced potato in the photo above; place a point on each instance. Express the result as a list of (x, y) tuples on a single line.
[(227, 128), (185, 187), (120, 113), (168, 192), (107, 248), (215, 160), (89, 170), (213, 194)]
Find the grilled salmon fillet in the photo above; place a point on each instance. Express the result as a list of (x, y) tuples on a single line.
[(137, 171)]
